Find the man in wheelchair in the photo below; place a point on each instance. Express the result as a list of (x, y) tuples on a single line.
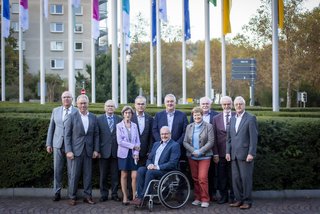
[(164, 157)]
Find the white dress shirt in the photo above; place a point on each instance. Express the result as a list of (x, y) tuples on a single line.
[(238, 120), (85, 121)]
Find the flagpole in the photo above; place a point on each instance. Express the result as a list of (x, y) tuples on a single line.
[(275, 66), (42, 72), (207, 48), (125, 97), (184, 78), (159, 73), (93, 59), (21, 97), (3, 55), (122, 50), (223, 55), (71, 75), (151, 60), (114, 39)]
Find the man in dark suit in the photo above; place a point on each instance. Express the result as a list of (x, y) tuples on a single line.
[(176, 121), (240, 150), (220, 124), (55, 141), (144, 122), (164, 157), (108, 161), (208, 114), (81, 145)]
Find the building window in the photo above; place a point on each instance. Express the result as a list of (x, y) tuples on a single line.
[(78, 64), (56, 27), (78, 11), (56, 46), (56, 9), (78, 46), (15, 26), (78, 28), (15, 8), (57, 64)]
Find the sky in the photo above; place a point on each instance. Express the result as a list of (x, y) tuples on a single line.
[(241, 12)]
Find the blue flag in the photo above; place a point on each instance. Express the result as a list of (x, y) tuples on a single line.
[(126, 22), (154, 23), (187, 33), (6, 19)]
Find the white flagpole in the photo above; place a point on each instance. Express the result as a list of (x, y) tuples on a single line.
[(114, 38), (125, 79), (21, 97), (71, 76), (184, 75), (223, 56), (159, 73), (207, 48), (42, 71), (122, 53), (151, 60), (93, 60), (275, 66), (3, 66)]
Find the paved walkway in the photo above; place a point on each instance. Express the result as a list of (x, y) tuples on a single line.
[(260, 206)]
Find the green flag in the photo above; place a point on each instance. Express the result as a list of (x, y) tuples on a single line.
[(214, 2)]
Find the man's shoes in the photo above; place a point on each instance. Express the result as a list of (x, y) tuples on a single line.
[(115, 198), (56, 197), (213, 198), (103, 199), (88, 200), (136, 201), (245, 206), (223, 200), (72, 202), (236, 204)]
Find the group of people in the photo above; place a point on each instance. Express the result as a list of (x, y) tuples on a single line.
[(137, 148)]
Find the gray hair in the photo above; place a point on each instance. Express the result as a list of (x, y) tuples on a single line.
[(141, 97), (204, 99), (125, 108), (225, 98), (83, 96), (172, 96), (239, 99)]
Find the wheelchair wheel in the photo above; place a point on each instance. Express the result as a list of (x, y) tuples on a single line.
[(174, 190), (150, 205)]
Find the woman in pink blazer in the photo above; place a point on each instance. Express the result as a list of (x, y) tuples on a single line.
[(128, 151)]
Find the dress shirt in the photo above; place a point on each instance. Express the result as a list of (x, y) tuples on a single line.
[(238, 120), (170, 117), (85, 121), (159, 152), (141, 122), (206, 117), (65, 112)]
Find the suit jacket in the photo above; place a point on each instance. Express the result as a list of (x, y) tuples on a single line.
[(76, 140), (124, 143), (169, 158), (55, 133), (179, 125), (243, 142), (146, 138), (220, 134), (108, 139), (206, 139), (212, 115)]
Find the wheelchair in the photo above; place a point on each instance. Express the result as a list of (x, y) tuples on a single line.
[(172, 191)]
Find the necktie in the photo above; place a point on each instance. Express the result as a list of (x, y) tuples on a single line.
[(110, 123), (66, 113), (227, 121)]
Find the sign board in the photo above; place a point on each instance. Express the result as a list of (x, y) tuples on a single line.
[(244, 69)]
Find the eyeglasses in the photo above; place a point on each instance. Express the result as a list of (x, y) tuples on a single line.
[(164, 133), (205, 103), (226, 104), (140, 104), (109, 106), (66, 97)]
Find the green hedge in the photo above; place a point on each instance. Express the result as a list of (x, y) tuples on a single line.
[(288, 155)]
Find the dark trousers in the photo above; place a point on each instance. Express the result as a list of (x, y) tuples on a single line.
[(224, 179), (212, 177), (109, 167)]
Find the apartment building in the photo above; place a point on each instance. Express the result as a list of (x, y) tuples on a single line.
[(55, 31)]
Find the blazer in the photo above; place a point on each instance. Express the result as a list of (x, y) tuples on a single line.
[(169, 158), (76, 140), (243, 142), (146, 138), (55, 133), (220, 134), (212, 114), (107, 139), (206, 139), (179, 125), (124, 144)]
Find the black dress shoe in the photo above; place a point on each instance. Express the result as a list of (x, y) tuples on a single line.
[(125, 203), (56, 197), (103, 199), (115, 198), (223, 201), (88, 201)]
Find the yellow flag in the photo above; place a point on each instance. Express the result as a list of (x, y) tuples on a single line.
[(280, 14), (226, 27)]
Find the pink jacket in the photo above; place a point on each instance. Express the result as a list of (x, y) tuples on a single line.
[(124, 143)]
